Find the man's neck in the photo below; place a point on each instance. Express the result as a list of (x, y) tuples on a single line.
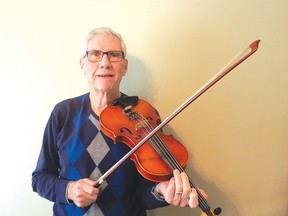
[(100, 100)]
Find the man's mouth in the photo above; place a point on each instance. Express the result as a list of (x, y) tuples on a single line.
[(106, 75)]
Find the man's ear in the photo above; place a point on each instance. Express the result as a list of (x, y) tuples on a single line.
[(125, 67), (81, 63)]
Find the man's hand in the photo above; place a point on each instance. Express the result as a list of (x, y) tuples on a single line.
[(178, 192), (82, 192)]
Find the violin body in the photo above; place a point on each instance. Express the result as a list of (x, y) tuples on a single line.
[(130, 120), (129, 124)]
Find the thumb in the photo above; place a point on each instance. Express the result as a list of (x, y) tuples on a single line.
[(90, 182)]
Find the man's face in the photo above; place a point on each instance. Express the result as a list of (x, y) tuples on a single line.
[(104, 76)]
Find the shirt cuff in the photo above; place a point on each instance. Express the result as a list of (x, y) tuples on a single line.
[(68, 200), (156, 194)]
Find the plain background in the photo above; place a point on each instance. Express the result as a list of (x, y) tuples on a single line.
[(236, 133)]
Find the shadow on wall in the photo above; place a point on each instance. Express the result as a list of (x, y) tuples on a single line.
[(216, 196), (138, 80)]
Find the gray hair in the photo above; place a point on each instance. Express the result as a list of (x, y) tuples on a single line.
[(102, 31)]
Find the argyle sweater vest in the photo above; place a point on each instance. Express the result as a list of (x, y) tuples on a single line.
[(73, 148)]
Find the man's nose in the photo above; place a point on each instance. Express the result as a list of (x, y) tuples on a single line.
[(105, 61)]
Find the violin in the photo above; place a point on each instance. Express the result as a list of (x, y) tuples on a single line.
[(137, 123), (129, 120)]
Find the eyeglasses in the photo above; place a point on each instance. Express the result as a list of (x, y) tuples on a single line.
[(97, 55)]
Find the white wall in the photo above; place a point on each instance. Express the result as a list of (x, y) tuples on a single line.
[(236, 133)]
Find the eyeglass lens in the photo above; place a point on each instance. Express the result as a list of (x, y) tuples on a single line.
[(97, 55)]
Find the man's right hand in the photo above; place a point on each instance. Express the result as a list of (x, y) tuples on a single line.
[(82, 192)]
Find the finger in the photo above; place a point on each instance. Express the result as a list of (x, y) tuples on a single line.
[(178, 191), (84, 198), (186, 188), (86, 193), (193, 201), (77, 192), (87, 185), (83, 201), (178, 183), (89, 181), (90, 190), (170, 191)]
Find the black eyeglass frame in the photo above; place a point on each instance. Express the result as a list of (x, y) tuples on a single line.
[(106, 53)]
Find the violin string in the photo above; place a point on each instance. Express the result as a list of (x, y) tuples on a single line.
[(170, 160), (159, 146)]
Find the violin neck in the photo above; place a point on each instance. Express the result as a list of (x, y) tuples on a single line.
[(173, 164), (203, 204)]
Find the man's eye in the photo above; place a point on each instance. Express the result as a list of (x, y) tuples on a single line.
[(115, 54), (95, 54)]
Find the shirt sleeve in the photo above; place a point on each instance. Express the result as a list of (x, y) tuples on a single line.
[(147, 197), (45, 178)]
